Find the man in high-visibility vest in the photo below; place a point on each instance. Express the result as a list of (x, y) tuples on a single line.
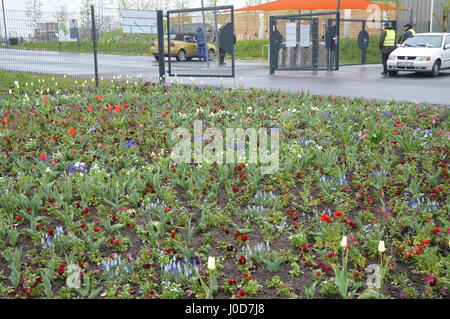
[(387, 44), (409, 33)]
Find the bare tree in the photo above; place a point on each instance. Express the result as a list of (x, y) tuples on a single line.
[(62, 13), (34, 14), (445, 10), (216, 3), (85, 17), (125, 4), (181, 4)]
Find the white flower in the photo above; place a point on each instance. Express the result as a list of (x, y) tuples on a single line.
[(211, 263), (344, 242), (381, 247)]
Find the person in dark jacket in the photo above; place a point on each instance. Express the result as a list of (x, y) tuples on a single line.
[(409, 33), (226, 41), (387, 44), (201, 44)]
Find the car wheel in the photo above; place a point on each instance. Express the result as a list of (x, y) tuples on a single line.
[(393, 73), (211, 55), (181, 56), (436, 68)]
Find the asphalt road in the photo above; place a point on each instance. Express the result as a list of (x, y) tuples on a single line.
[(353, 81)]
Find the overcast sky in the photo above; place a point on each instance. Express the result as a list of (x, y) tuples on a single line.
[(51, 5)]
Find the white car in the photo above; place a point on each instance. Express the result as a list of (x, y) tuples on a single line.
[(425, 52)]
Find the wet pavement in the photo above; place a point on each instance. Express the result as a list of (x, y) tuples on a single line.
[(353, 81)]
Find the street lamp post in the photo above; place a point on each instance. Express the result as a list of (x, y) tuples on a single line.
[(431, 15), (205, 34), (4, 22)]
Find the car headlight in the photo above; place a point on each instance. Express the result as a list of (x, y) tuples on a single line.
[(392, 57), (424, 58)]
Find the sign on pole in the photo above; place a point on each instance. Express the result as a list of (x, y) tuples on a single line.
[(291, 34), (139, 21), (67, 30), (305, 34)]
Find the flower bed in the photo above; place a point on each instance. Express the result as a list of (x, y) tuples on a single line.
[(92, 205)]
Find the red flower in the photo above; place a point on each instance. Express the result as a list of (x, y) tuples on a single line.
[(436, 230), (305, 247), (232, 282), (337, 214), (243, 293), (116, 242), (83, 226), (43, 157), (61, 269), (398, 192), (244, 237), (85, 211), (425, 242), (51, 230), (19, 218), (409, 255), (172, 234), (325, 218), (74, 151), (97, 229), (117, 109), (100, 98), (330, 254), (235, 189), (165, 113), (242, 260), (45, 99), (167, 209), (72, 131), (356, 274), (350, 222)]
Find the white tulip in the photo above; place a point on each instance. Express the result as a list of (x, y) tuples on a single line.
[(211, 263), (344, 242), (381, 247)]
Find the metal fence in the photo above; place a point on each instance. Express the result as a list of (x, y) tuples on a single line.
[(44, 43), (48, 43)]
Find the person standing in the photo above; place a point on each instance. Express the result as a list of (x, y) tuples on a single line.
[(201, 44), (409, 33), (226, 41), (387, 44)]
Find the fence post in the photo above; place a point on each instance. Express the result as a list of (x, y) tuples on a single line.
[(4, 24), (94, 44), (160, 23)]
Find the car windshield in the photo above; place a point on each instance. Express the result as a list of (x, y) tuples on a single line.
[(426, 41)]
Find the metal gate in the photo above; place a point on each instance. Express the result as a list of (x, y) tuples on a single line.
[(202, 42), (304, 42), (358, 43)]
